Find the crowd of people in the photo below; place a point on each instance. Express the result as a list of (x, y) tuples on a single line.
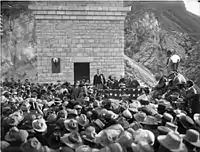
[(60, 117)]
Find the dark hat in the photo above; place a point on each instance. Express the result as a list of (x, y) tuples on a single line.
[(186, 121), (192, 136)]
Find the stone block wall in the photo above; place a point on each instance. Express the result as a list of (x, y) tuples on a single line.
[(85, 31)]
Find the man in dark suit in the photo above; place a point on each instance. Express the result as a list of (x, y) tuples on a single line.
[(99, 80)]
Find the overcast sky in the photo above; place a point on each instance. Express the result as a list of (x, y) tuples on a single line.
[(193, 6)]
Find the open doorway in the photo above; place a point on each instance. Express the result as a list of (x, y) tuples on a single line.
[(81, 71)]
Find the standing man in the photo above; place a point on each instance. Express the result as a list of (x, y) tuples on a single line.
[(173, 61), (99, 80)]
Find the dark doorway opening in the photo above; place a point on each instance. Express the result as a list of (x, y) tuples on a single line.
[(81, 71)]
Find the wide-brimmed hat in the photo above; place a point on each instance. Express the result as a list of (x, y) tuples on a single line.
[(25, 105), (62, 114), (39, 125), (167, 128), (71, 125), (192, 136), (135, 125), (172, 141), (167, 117), (72, 112), (196, 118), (144, 135), (14, 134), (32, 145), (150, 120), (84, 148), (127, 114), (140, 116), (12, 120), (99, 123), (18, 114), (73, 140), (123, 122), (52, 118), (103, 138), (4, 144), (125, 139), (77, 107), (82, 120), (186, 122), (89, 134), (134, 106)]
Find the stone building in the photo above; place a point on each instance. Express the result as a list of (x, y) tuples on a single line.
[(74, 38)]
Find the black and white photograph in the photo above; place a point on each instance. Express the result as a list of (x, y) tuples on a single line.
[(100, 76)]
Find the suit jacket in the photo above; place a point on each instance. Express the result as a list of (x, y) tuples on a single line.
[(99, 79)]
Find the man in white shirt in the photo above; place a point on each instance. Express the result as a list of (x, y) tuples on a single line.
[(174, 61)]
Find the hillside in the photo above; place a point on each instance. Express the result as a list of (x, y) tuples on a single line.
[(151, 28)]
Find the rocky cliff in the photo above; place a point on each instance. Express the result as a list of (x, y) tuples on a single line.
[(151, 28)]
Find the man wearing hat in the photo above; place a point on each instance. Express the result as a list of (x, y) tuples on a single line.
[(191, 140)]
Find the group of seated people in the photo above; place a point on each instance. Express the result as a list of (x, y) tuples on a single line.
[(59, 117)]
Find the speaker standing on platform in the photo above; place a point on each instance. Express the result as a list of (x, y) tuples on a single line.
[(99, 80)]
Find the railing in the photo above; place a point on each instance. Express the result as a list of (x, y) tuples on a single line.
[(117, 93)]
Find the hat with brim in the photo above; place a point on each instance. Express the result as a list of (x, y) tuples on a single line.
[(84, 148), (172, 141), (73, 140), (123, 122), (167, 128), (82, 120), (196, 118), (39, 125), (140, 116), (12, 121), (71, 125), (192, 136), (89, 134), (150, 120), (15, 134), (186, 121), (99, 123)]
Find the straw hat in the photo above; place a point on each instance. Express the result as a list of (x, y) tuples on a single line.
[(167, 128), (14, 134), (89, 134), (82, 120), (140, 116), (144, 135), (196, 118), (172, 141), (39, 125), (73, 140), (71, 125), (150, 120), (192, 136)]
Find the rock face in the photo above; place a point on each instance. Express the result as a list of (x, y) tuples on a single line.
[(151, 28)]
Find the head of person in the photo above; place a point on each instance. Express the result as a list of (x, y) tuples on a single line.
[(98, 71)]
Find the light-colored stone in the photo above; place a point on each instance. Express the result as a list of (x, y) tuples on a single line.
[(73, 33)]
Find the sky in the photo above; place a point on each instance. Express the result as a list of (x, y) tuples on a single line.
[(192, 6)]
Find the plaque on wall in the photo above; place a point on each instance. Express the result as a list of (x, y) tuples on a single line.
[(55, 62)]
